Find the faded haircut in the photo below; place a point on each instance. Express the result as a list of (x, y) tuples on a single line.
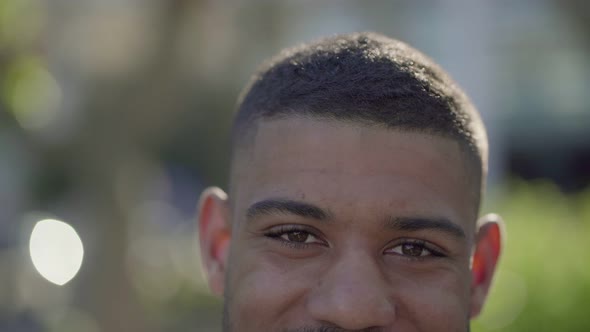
[(369, 79)]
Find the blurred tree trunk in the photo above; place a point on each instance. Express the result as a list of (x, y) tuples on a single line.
[(125, 118), (579, 11)]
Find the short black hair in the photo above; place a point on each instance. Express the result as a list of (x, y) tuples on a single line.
[(365, 78)]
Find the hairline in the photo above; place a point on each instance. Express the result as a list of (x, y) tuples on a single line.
[(243, 139)]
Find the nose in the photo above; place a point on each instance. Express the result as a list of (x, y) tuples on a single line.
[(353, 295)]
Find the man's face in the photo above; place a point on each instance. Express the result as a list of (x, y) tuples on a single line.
[(349, 227)]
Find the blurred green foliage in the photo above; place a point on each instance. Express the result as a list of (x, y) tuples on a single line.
[(544, 275), (30, 91), (20, 23)]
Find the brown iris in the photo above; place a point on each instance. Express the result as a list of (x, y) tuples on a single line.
[(300, 237), (412, 249)]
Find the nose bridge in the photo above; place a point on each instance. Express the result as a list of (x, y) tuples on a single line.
[(353, 293)]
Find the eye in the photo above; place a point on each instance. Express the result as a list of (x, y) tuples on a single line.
[(293, 235), (415, 249), (298, 236)]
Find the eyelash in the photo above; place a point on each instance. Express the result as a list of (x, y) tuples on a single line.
[(276, 234), (433, 252)]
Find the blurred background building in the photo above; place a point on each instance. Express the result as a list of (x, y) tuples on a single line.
[(114, 115)]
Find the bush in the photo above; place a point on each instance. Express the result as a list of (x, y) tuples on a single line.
[(543, 282)]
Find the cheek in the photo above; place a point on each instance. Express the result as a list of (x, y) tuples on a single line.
[(438, 303), (261, 287)]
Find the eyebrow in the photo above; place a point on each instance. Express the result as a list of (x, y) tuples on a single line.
[(306, 210), (415, 224), (286, 206)]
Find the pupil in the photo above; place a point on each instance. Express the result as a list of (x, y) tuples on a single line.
[(297, 236), (412, 250)]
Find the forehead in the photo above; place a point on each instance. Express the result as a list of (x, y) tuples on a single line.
[(353, 169)]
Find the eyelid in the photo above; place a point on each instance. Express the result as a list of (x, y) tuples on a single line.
[(276, 232), (435, 251)]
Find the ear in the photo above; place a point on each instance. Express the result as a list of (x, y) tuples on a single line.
[(214, 236), (488, 246)]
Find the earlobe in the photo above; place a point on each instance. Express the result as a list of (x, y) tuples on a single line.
[(488, 247), (214, 236)]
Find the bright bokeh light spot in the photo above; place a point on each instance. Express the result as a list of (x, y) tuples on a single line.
[(56, 250)]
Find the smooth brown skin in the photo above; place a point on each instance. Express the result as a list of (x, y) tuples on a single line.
[(354, 272)]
